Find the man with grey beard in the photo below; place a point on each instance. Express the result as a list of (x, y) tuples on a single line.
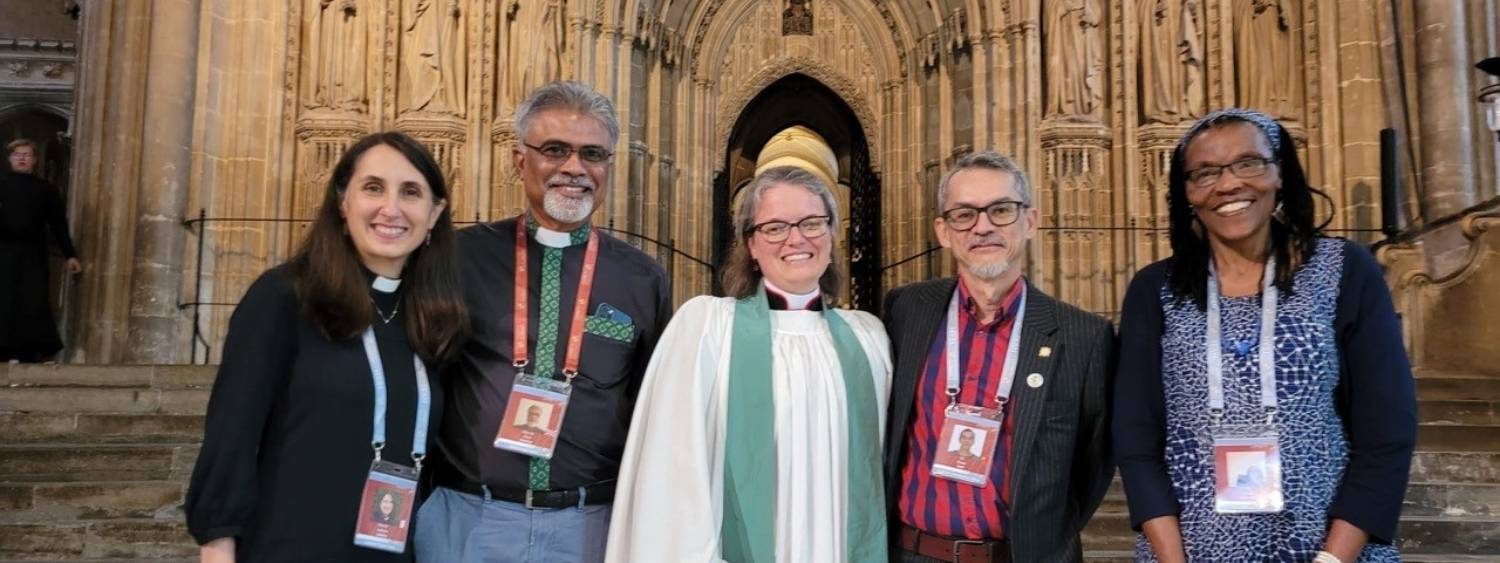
[(989, 350), (577, 340)]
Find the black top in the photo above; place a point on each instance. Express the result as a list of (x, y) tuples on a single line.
[(1374, 398), (30, 209), (286, 446), (592, 440)]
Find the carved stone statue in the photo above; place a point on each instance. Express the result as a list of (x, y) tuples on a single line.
[(1161, 69), (797, 18), (433, 62), (1074, 51), (1171, 60), (538, 38), (1196, 103), (1266, 74), (333, 64)]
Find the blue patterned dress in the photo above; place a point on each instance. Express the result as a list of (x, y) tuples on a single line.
[(1314, 450)]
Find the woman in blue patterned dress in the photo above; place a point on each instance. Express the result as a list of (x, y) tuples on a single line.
[(1338, 400)]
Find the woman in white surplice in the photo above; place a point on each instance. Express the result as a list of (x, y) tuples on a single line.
[(757, 431)]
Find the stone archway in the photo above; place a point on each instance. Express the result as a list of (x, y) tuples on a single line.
[(801, 100)]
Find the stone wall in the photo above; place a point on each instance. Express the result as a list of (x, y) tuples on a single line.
[(240, 108)]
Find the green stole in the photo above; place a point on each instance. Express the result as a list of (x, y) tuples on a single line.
[(747, 533)]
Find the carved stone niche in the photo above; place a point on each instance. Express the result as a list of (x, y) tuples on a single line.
[(445, 138), (1074, 198), (320, 144), (1148, 214), (797, 18)]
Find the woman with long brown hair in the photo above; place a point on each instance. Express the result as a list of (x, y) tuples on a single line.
[(323, 399)]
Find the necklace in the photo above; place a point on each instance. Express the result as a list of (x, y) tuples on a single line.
[(384, 317)]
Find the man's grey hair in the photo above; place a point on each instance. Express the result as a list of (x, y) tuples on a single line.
[(985, 160), (569, 95)]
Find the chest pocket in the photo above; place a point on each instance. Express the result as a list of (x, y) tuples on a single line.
[(608, 352)]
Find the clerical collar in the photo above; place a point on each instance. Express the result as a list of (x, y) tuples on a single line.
[(782, 300), (385, 285), (556, 239)]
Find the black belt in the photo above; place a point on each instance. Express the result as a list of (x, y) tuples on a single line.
[(597, 493)]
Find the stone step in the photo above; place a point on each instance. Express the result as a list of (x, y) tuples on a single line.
[(1459, 413), (85, 462), (98, 500), (103, 540), (1455, 388), (1455, 467), (142, 428), (80, 375), (1458, 438), (1452, 499), (103, 400)]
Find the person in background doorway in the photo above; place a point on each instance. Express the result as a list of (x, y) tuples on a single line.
[(30, 208)]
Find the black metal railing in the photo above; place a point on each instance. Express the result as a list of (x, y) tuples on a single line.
[(198, 225)]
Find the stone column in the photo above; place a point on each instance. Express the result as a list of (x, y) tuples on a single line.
[(1443, 92), (165, 167)]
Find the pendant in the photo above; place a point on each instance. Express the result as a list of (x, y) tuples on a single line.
[(1242, 347)]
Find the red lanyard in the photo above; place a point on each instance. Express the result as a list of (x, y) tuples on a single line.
[(580, 306)]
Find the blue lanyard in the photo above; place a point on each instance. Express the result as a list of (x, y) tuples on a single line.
[(424, 402), (1266, 356)]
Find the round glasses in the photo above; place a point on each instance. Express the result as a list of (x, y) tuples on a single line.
[(777, 231), (1245, 168), (1000, 214)]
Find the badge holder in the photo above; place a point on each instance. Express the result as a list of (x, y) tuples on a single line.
[(384, 519), (534, 414), (1247, 470), (385, 506), (966, 445)]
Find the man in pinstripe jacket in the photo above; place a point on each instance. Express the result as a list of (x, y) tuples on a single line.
[(1039, 370)]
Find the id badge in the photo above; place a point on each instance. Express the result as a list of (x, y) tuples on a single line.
[(384, 518), (966, 445), (1247, 472), (533, 417)]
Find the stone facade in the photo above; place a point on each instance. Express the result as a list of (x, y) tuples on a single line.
[(239, 109)]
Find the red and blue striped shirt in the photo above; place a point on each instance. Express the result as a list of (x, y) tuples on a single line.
[(950, 508)]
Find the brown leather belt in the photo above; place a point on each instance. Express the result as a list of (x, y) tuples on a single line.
[(955, 550)]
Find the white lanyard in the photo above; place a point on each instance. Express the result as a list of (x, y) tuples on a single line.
[(1012, 350), (424, 402), (1266, 359)]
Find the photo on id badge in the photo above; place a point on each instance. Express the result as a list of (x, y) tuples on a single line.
[(967, 446), (1247, 476), (385, 511), (531, 422)]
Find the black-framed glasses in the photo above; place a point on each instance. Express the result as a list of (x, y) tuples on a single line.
[(813, 226), (1000, 214), (558, 152), (1244, 168)]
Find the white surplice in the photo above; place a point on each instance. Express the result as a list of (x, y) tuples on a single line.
[(668, 504)]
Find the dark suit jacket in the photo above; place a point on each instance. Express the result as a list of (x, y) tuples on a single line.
[(1061, 466)]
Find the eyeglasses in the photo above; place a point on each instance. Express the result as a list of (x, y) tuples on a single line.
[(1000, 214), (559, 152), (777, 231), (1245, 168)]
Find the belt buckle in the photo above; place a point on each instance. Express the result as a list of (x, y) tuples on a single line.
[(958, 544), (529, 498)]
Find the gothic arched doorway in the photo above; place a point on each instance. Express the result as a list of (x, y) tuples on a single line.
[(799, 100)]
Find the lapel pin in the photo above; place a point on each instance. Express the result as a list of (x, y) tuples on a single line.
[(1034, 380), (1045, 352)]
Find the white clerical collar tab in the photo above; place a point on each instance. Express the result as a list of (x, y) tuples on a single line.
[(554, 239), (385, 285)]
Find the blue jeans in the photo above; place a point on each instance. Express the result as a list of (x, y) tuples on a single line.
[(455, 527)]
